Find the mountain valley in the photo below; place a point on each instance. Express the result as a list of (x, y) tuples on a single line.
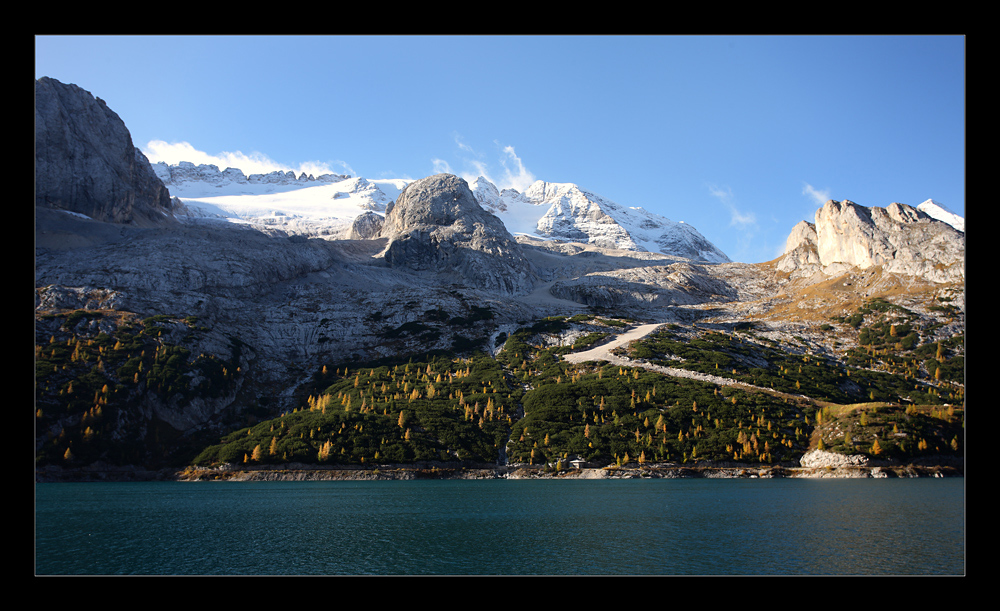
[(189, 316)]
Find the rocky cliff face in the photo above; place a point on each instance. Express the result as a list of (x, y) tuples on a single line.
[(801, 255), (436, 225), (85, 161), (900, 238)]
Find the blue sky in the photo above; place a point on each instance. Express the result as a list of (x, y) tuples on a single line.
[(740, 136)]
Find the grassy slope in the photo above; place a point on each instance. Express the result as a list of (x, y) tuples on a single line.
[(541, 409)]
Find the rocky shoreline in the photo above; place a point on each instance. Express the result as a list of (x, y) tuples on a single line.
[(606, 473), (812, 466)]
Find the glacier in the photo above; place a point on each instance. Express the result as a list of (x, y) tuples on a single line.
[(326, 206)]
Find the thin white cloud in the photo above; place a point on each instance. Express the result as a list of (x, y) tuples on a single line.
[(744, 222), (461, 145), (512, 174), (441, 166), (478, 166), (737, 218), (253, 163), (516, 175), (819, 197), (322, 168)]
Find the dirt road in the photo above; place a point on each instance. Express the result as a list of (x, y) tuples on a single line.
[(603, 353)]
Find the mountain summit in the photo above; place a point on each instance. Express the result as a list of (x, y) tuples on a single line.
[(566, 211), (328, 205), (437, 225)]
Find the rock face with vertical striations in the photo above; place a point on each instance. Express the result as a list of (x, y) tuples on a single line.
[(899, 238), (85, 161), (436, 225)]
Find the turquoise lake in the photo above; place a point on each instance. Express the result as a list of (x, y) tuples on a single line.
[(504, 527)]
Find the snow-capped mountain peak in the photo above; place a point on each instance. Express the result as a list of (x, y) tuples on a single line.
[(567, 211), (487, 195), (941, 212), (327, 205)]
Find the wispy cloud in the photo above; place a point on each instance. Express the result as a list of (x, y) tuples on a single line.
[(252, 163), (462, 145), (515, 175), (818, 197), (737, 218), (511, 174), (441, 166), (743, 221)]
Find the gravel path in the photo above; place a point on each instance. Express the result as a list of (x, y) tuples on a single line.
[(604, 353)]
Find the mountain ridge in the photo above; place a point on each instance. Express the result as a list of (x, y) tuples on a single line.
[(230, 312), (546, 210), (900, 238)]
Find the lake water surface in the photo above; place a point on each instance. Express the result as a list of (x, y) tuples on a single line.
[(504, 527)]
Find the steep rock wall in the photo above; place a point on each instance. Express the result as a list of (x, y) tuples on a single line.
[(85, 161), (900, 238)]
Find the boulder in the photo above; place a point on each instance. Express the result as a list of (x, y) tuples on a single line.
[(366, 226)]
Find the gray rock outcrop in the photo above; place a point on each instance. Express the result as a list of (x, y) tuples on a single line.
[(85, 161), (900, 238), (436, 225), (366, 226)]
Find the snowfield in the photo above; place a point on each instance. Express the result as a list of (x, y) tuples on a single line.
[(941, 212), (327, 205), (235, 197)]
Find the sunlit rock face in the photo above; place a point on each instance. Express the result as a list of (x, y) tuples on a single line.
[(900, 238)]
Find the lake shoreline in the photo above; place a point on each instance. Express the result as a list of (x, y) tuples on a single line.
[(298, 472)]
